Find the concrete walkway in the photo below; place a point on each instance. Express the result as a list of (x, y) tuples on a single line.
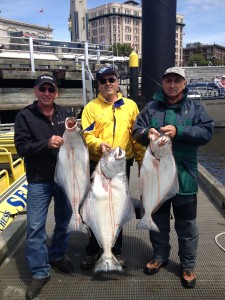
[(132, 283)]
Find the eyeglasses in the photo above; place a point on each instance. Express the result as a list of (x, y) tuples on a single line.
[(44, 89), (110, 80)]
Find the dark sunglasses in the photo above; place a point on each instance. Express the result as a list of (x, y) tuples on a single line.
[(110, 80), (50, 89)]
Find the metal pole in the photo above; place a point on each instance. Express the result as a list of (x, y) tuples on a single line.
[(83, 82), (133, 65), (158, 43), (98, 55), (86, 53), (31, 54)]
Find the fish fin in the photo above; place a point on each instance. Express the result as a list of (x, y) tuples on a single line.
[(147, 223), (107, 264)]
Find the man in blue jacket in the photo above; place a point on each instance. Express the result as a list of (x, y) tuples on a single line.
[(38, 135), (186, 123)]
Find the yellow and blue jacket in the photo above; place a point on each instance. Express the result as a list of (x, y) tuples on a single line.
[(111, 123)]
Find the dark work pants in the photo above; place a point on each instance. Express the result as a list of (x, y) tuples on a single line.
[(93, 246), (185, 211)]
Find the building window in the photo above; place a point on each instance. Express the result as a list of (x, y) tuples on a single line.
[(102, 39), (101, 21), (127, 21), (127, 29), (101, 30), (127, 37)]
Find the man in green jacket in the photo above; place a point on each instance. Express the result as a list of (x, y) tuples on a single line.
[(186, 123)]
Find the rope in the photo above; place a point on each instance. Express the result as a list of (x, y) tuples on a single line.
[(216, 237)]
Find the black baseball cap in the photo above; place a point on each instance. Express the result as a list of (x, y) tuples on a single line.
[(105, 71), (46, 78)]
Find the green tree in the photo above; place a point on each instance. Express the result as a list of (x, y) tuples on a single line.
[(121, 49), (198, 59)]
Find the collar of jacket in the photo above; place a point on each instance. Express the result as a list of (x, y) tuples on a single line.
[(119, 102), (34, 106), (160, 96)]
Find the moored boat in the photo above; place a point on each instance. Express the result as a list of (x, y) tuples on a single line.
[(213, 101), (13, 184)]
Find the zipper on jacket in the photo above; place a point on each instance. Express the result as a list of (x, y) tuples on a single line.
[(114, 122)]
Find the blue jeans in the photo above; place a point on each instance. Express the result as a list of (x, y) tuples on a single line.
[(185, 211), (38, 199)]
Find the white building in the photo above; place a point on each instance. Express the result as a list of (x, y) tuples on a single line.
[(179, 61), (114, 23), (10, 29)]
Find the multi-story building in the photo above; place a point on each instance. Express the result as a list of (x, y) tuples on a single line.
[(179, 40), (214, 54), (18, 32), (122, 23), (78, 23), (115, 23)]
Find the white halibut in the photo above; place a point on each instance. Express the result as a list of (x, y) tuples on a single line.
[(158, 179), (72, 172), (108, 206)]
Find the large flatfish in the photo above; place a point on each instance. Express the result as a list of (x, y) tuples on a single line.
[(108, 206), (72, 172), (158, 179)]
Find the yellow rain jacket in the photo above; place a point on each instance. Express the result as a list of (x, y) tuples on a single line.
[(111, 123)]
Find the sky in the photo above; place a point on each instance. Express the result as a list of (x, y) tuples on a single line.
[(204, 19)]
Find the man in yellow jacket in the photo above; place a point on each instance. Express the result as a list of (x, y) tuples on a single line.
[(107, 122)]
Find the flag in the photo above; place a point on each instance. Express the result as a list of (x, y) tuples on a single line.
[(41, 11)]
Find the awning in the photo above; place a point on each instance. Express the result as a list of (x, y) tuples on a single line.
[(26, 55)]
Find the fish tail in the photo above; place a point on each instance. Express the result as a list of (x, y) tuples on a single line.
[(76, 224), (107, 264), (147, 223), (83, 228)]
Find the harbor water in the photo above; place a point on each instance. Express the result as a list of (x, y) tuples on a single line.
[(212, 155)]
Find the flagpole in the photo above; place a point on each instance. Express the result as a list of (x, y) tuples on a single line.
[(41, 11)]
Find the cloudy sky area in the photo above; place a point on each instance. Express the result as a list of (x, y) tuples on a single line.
[(204, 19)]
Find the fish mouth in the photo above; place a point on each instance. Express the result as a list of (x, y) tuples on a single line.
[(119, 153), (162, 140), (70, 123)]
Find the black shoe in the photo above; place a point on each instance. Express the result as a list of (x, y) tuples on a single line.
[(154, 267), (121, 260), (34, 289), (89, 261), (188, 279), (63, 265)]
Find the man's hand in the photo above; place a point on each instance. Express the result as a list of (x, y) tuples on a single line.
[(153, 134), (55, 142), (169, 130), (105, 147)]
